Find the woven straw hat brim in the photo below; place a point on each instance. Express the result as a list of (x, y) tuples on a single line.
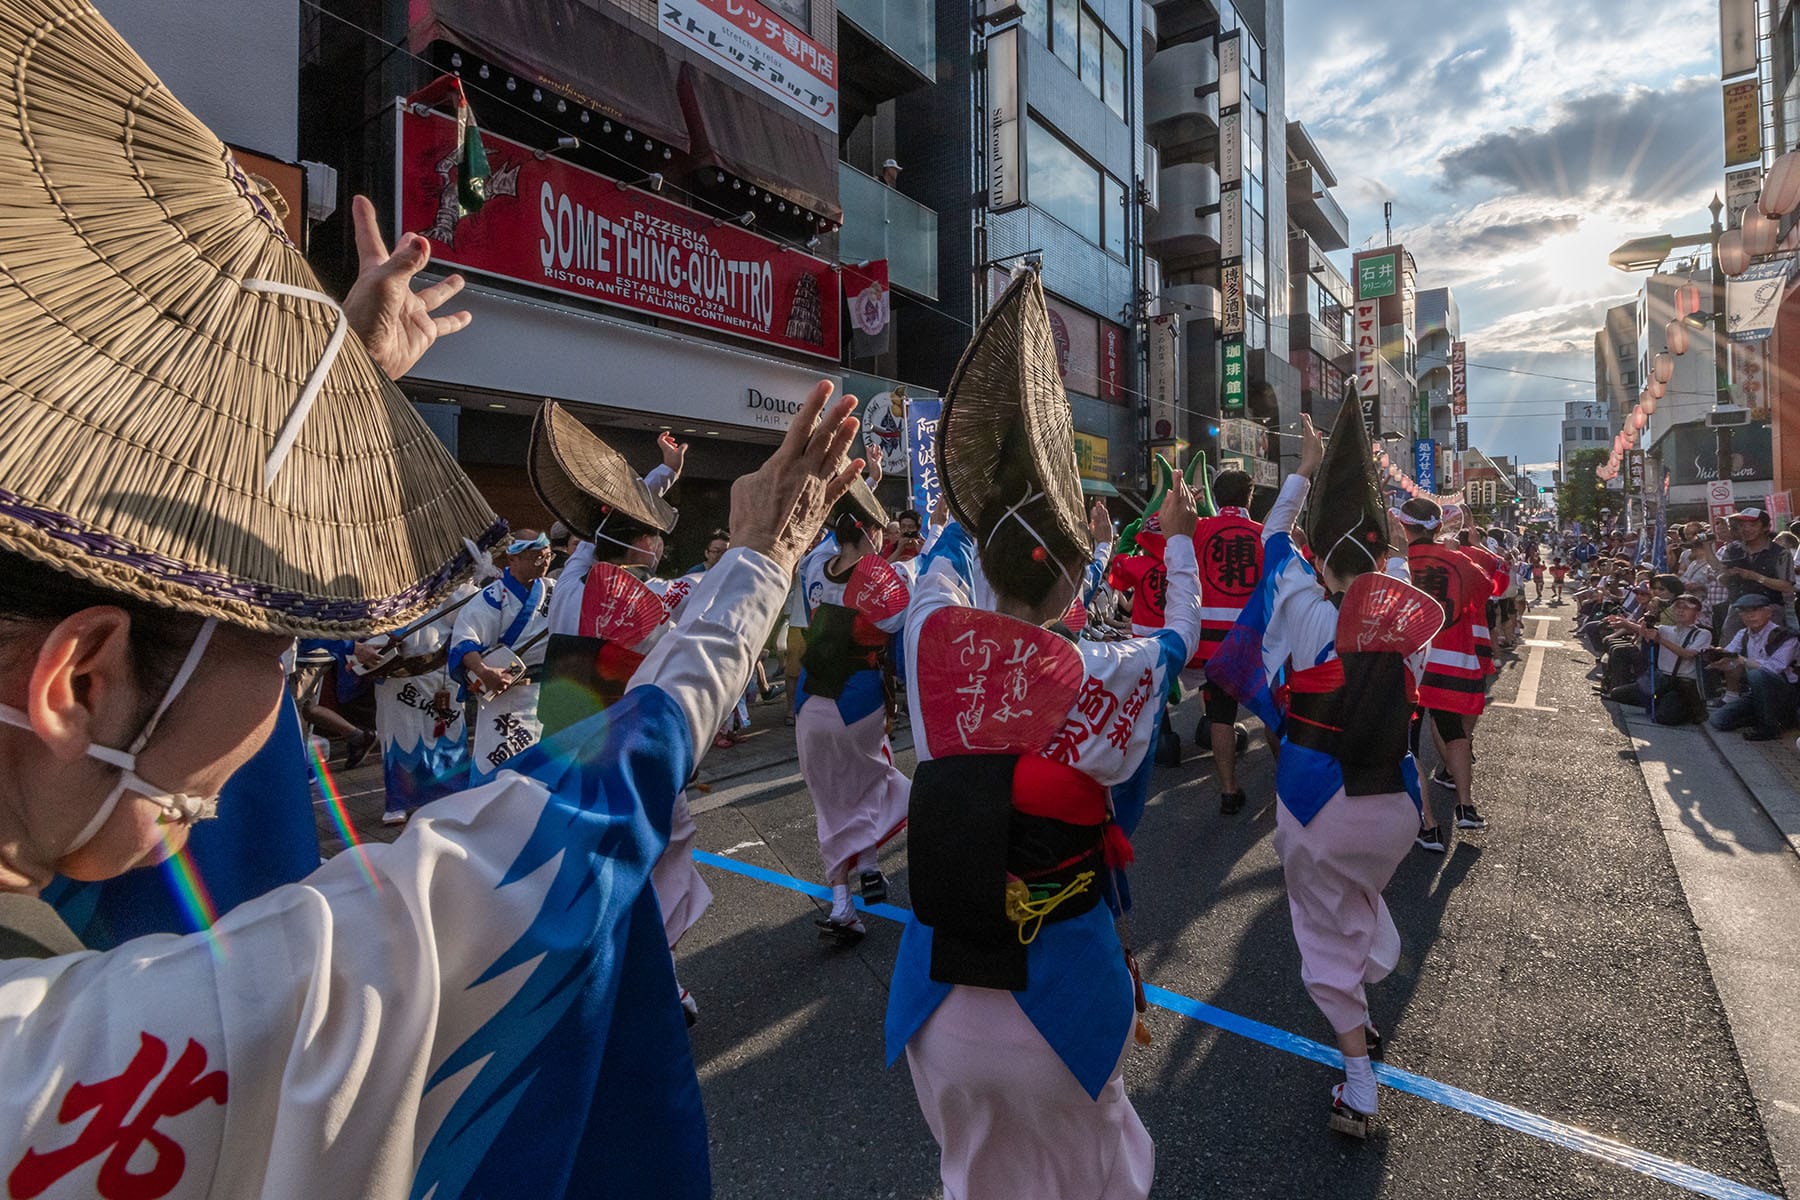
[(860, 500), (1007, 380), (143, 385), (582, 480)]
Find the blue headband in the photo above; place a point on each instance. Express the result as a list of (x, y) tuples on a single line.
[(540, 542)]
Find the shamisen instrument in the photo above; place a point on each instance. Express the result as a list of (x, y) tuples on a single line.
[(509, 660), (390, 653)]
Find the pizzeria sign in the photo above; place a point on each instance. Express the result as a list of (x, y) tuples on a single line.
[(552, 225)]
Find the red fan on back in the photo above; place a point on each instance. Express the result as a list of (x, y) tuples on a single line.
[(1381, 613), (617, 608), (997, 684)]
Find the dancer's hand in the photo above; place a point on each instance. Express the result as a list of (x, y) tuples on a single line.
[(1312, 448), (393, 321), (777, 509), (1178, 513)]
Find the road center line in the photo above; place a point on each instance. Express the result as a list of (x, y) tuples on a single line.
[(1569, 1137), (1534, 672)]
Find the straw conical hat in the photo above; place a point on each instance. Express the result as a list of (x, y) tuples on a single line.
[(1007, 423), (861, 502), (145, 382), (1346, 493), (582, 480)]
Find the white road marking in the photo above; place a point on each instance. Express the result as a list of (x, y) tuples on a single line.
[(741, 846), (1534, 670)]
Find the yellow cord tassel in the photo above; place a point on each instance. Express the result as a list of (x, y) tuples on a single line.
[(1028, 913)]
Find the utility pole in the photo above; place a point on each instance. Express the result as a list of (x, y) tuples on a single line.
[(1721, 343)]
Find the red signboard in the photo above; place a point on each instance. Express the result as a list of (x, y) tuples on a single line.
[(1112, 362), (565, 229)]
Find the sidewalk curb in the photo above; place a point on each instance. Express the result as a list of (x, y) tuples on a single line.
[(1771, 792)]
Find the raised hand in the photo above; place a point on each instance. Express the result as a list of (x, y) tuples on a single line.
[(778, 508), (1312, 448), (394, 322), (674, 454), (1178, 513)]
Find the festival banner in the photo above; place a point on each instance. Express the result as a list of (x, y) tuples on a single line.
[(1425, 464), (922, 417), (555, 226)]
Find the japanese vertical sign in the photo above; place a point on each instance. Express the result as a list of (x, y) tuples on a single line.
[(1459, 379), (1737, 37), (1743, 122), (1231, 291), (1165, 375), (1462, 437), (1006, 129), (1422, 415), (922, 417), (1425, 464), (1366, 337), (1231, 391), (758, 47)]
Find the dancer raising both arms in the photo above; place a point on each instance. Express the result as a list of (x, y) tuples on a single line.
[(1339, 632), (1013, 996)]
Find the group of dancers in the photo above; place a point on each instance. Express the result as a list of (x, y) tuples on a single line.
[(488, 1006)]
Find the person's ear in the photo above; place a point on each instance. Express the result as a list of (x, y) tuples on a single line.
[(82, 679)]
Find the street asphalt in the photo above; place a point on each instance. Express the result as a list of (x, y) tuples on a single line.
[(1551, 963)]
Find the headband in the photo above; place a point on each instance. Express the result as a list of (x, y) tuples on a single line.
[(520, 545), (1406, 518)]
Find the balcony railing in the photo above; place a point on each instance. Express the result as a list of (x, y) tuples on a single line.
[(881, 223), (907, 27), (1314, 209)]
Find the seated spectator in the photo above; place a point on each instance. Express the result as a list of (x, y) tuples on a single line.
[(1758, 669), (1672, 691)]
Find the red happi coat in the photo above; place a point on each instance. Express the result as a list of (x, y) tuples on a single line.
[(1230, 552), (1146, 578), (1454, 671), (1499, 577)]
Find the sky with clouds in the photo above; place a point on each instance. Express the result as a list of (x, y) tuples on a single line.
[(1519, 142)]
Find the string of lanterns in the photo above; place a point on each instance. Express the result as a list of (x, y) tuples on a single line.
[(1394, 477), (1758, 233)]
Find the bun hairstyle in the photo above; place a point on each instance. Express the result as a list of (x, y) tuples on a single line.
[(847, 529), (1015, 562)]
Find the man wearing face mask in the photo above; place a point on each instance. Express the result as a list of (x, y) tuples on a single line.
[(484, 1007)]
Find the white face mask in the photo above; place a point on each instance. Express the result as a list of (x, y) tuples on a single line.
[(176, 806)]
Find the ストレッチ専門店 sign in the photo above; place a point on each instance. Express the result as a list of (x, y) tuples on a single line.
[(552, 225)]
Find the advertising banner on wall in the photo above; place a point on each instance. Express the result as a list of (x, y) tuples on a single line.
[(1231, 147), (1691, 453), (1737, 37), (922, 417), (1425, 464), (1165, 375), (1006, 126), (1459, 378), (1091, 457), (1741, 190), (757, 46), (1112, 362), (549, 224)]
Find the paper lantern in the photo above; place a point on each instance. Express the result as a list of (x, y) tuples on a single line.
[(1656, 389), (1781, 187), (1639, 420), (1676, 336), (1663, 366), (1649, 405), (1734, 258), (1687, 300), (1760, 233)]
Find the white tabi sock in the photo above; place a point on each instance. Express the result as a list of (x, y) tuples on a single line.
[(1359, 1084), (841, 908)]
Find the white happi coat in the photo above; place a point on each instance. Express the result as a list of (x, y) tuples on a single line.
[(508, 723), (571, 581), (424, 738), (294, 1051)]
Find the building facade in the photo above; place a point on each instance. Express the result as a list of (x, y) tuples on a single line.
[(1320, 298)]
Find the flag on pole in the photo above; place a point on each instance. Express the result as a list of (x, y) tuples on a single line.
[(468, 156)]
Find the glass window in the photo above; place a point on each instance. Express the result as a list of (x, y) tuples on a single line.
[(1113, 213), (797, 12), (1113, 91), (1061, 182), (1090, 51), (1065, 21), (1253, 56), (1037, 19)]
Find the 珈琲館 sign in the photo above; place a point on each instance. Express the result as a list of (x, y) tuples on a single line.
[(549, 224)]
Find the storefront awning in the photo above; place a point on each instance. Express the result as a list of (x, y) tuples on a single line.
[(739, 134), (567, 47)]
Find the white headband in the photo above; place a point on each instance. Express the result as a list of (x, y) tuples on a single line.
[(1407, 518)]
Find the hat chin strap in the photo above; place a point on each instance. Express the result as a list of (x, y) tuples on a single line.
[(309, 391), (178, 807), (1013, 513)]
